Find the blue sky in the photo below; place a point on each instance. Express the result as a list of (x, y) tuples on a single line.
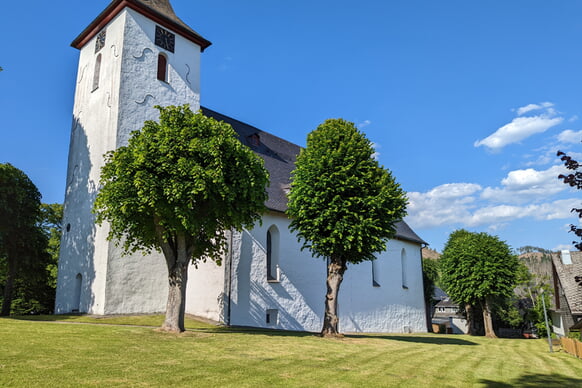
[(467, 101)]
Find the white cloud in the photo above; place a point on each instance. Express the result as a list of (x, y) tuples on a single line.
[(531, 107), (364, 124), (570, 136), (442, 205), (527, 185), (468, 205), (520, 128), (376, 154)]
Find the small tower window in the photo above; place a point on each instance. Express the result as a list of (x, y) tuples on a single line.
[(273, 254), (162, 68), (404, 264), (97, 72)]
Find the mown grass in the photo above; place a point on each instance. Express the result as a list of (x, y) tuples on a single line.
[(65, 355)]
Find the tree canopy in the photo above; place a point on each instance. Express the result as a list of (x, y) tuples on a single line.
[(23, 256), (178, 186), (342, 203), (573, 179), (475, 269)]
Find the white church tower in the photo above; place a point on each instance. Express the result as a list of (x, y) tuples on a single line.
[(136, 54)]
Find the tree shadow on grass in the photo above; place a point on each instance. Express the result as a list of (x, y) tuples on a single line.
[(536, 381), (257, 331), (435, 340)]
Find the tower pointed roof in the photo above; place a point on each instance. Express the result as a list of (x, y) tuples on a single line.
[(160, 11)]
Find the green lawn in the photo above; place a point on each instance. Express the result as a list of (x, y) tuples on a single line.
[(36, 353)]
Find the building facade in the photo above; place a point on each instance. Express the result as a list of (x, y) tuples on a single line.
[(137, 54)]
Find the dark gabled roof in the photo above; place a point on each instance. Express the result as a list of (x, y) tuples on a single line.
[(160, 11), (279, 156), (405, 232), (567, 274)]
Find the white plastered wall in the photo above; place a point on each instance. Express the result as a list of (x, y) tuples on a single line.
[(299, 294), (103, 121)]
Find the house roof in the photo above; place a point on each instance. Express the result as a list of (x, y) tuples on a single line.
[(447, 303), (280, 156), (160, 11), (567, 274)]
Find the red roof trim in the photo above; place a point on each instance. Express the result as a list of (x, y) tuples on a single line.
[(116, 7)]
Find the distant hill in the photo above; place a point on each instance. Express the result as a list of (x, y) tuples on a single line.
[(428, 253), (538, 263)]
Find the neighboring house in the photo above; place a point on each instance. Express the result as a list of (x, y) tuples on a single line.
[(137, 54), (448, 313), (567, 311)]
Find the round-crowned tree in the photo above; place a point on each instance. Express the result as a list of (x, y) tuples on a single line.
[(476, 269), (178, 186), (343, 204)]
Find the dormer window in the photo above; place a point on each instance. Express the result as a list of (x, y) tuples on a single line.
[(254, 140)]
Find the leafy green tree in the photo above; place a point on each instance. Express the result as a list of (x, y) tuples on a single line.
[(343, 204), (476, 269), (430, 278), (22, 243), (51, 224), (178, 186), (573, 179)]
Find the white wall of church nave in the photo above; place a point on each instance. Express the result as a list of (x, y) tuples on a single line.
[(205, 292), (299, 295), (389, 307)]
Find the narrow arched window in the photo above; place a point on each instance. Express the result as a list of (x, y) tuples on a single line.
[(97, 72), (273, 254), (375, 280), (162, 67), (404, 264), (77, 295)]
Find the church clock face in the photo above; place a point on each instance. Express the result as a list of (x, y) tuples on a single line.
[(165, 39), (100, 42)]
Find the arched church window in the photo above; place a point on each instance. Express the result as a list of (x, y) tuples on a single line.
[(162, 68), (273, 254), (404, 265), (97, 72), (77, 294), (375, 280)]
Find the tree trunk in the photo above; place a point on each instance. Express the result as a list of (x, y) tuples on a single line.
[(335, 275), (470, 319), (8, 288), (428, 314), (177, 278), (487, 321)]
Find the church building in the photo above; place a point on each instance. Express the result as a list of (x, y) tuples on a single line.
[(137, 54)]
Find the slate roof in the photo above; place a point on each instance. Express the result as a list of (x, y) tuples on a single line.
[(279, 156), (567, 274), (164, 8), (160, 11)]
